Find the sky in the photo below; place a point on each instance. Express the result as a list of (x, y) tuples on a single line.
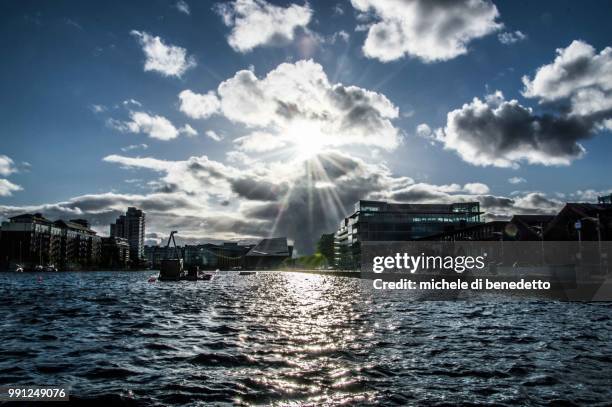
[(246, 119)]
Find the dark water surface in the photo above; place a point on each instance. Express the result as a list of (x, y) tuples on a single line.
[(294, 339)]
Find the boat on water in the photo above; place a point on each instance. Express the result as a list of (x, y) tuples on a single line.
[(18, 268), (172, 269), (247, 273)]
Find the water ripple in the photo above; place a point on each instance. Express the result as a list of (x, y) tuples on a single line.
[(294, 339)]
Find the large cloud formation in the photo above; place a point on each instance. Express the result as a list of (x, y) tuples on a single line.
[(432, 30), (296, 104), (504, 133), (257, 23), (207, 200), (579, 77), (282, 192)]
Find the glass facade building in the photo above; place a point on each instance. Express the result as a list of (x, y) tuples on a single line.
[(384, 221)]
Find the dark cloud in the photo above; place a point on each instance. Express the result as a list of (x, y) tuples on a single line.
[(504, 133), (576, 86), (255, 190)]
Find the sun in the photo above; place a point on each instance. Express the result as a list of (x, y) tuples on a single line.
[(307, 139)]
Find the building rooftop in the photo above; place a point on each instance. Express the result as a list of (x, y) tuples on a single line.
[(29, 217), (74, 225), (383, 206), (271, 247)]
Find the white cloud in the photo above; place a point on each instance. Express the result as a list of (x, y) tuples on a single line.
[(213, 135), (476, 188), (429, 30), (7, 187), (257, 23), (508, 38), (339, 35), (97, 108), (169, 60), (183, 7), (131, 102), (259, 142), (516, 180), (7, 165), (297, 103), (134, 147), (198, 106), (188, 131), (590, 195), (157, 127), (579, 77)]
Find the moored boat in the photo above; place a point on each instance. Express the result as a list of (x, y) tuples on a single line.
[(172, 269)]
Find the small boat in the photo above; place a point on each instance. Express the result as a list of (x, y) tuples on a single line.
[(18, 268), (199, 276), (172, 269), (50, 268), (247, 273), (39, 268)]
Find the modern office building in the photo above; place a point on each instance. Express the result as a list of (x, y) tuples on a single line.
[(385, 221), (223, 256), (131, 226), (268, 254)]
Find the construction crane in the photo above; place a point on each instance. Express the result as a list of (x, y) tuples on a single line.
[(171, 268), (171, 239)]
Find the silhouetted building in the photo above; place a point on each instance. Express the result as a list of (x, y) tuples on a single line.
[(481, 232), (115, 253), (519, 228), (29, 240), (581, 221), (32, 240), (529, 227), (80, 247), (606, 199), (383, 221), (131, 226), (268, 254), (155, 254)]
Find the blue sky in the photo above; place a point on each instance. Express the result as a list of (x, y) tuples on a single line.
[(72, 142)]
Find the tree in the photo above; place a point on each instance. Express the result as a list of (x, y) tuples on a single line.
[(325, 246)]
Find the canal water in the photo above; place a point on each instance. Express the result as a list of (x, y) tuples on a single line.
[(294, 339)]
